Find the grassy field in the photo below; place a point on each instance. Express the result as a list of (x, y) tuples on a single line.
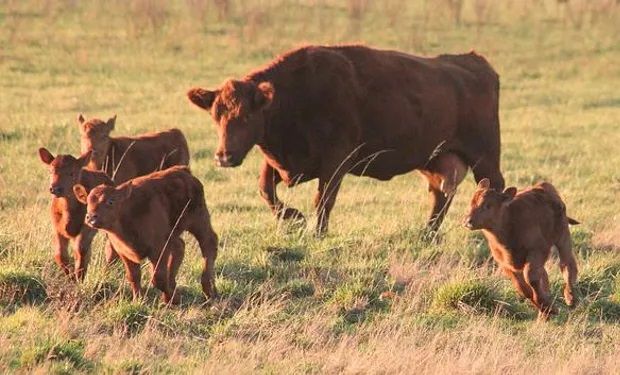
[(368, 298)]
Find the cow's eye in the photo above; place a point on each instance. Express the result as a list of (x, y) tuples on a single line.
[(486, 206), (109, 202)]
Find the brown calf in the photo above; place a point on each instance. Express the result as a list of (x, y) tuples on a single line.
[(144, 218), (67, 213), (521, 228), (123, 158)]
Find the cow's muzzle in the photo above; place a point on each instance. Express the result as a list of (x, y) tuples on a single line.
[(226, 160)]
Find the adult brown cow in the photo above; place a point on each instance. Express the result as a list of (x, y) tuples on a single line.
[(322, 112)]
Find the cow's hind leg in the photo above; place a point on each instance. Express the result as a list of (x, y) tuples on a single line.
[(487, 167), (268, 181), (200, 228), (568, 266), (444, 173)]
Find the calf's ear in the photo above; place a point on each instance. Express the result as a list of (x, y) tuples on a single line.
[(484, 184), (111, 122), (80, 119), (85, 158), (128, 190), (45, 156), (80, 193), (264, 95), (201, 97), (510, 193)]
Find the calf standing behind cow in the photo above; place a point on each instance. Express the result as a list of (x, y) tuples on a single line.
[(521, 228), (322, 112), (67, 213), (145, 217)]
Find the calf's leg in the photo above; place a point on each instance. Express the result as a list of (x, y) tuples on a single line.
[(110, 253), (207, 240), (133, 275), (60, 253), (160, 278), (536, 276), (81, 252), (519, 283), (568, 266), (177, 253)]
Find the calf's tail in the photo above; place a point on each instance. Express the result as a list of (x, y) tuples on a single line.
[(572, 221)]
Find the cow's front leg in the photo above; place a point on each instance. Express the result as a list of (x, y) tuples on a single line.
[(267, 183)]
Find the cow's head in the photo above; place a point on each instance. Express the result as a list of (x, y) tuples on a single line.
[(487, 206), (95, 137), (238, 110), (103, 204), (64, 171)]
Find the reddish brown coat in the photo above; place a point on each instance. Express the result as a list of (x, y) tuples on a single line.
[(67, 213), (322, 112), (521, 228), (123, 158), (144, 219)]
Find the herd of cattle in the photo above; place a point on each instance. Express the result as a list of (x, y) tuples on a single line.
[(315, 113)]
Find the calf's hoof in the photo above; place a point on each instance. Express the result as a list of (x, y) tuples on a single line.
[(571, 300)]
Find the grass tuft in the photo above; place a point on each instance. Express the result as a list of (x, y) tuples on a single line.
[(21, 287), (129, 316), (468, 296)]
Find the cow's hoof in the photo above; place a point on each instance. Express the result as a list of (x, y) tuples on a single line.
[(289, 213)]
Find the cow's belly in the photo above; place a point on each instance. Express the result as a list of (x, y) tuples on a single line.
[(384, 164)]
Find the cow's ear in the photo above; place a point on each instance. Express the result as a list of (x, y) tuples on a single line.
[(85, 158), (80, 193), (81, 119), (45, 156), (264, 95), (509, 193), (484, 184), (111, 122), (201, 97)]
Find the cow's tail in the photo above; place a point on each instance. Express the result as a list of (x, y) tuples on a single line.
[(572, 221)]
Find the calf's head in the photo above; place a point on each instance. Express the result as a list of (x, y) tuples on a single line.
[(64, 171), (103, 204), (238, 110), (95, 137), (487, 206)]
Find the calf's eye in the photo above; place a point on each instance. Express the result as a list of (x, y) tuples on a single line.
[(109, 202)]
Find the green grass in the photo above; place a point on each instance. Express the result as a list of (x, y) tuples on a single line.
[(371, 297)]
